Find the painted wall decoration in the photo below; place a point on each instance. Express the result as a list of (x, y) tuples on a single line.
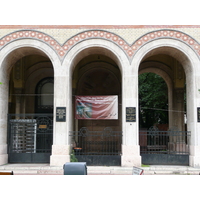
[(129, 49)]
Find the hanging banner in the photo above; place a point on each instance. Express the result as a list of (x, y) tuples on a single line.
[(96, 107)]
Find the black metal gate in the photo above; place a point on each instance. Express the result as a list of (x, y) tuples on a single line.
[(97, 148), (164, 147), (30, 138)]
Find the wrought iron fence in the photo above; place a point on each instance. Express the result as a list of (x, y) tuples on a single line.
[(173, 141), (30, 133), (106, 142)]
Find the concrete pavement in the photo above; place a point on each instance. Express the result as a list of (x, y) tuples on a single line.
[(46, 169)]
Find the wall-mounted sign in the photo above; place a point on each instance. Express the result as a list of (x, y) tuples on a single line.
[(43, 126), (130, 114), (198, 114), (61, 114)]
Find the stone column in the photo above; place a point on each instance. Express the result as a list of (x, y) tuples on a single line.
[(18, 102), (177, 143), (193, 102), (61, 144), (130, 146), (3, 118)]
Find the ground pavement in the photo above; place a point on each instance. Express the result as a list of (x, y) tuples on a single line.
[(46, 169)]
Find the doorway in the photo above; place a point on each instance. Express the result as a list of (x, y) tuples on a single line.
[(98, 140), (30, 118)]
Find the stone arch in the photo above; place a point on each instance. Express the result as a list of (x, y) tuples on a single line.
[(88, 47), (9, 55), (173, 35), (75, 55), (189, 59), (94, 66), (153, 68)]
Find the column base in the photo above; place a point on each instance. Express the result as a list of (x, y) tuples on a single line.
[(60, 155), (3, 159), (59, 160), (3, 154), (194, 161), (194, 158), (130, 156)]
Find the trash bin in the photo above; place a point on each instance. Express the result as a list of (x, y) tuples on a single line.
[(75, 168)]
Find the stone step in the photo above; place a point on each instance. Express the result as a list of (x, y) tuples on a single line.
[(45, 169)]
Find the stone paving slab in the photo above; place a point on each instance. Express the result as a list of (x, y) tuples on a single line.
[(46, 169)]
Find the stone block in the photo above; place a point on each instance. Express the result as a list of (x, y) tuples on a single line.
[(3, 159), (60, 150), (59, 160)]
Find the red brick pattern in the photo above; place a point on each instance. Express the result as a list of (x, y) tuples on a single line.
[(129, 49)]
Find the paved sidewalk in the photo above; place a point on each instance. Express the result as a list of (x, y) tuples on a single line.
[(46, 169)]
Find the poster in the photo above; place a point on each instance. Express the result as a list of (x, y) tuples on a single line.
[(96, 107)]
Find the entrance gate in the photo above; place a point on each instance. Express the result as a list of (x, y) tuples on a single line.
[(97, 148), (164, 147), (30, 138)]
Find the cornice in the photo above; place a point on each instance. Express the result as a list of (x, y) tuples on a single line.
[(96, 26)]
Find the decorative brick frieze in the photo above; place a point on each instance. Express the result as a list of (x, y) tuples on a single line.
[(129, 49)]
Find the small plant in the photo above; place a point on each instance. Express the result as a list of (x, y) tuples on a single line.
[(73, 157), (145, 165)]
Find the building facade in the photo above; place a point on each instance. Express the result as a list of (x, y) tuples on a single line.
[(43, 69)]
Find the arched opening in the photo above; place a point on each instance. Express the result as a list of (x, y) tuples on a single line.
[(153, 101), (98, 140), (164, 141), (30, 111), (44, 98)]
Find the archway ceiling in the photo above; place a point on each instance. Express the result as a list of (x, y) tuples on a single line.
[(155, 67), (95, 51), (17, 54), (129, 49), (170, 51)]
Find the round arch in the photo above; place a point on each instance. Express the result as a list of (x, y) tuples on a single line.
[(153, 69), (89, 47), (9, 55), (79, 52), (190, 62), (95, 46)]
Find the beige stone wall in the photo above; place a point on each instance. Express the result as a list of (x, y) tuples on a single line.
[(124, 45)]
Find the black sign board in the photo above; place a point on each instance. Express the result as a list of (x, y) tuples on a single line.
[(61, 114), (130, 114), (198, 114)]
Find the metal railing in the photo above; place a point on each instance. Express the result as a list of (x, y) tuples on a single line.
[(106, 142), (154, 141)]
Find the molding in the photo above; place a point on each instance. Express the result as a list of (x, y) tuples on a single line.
[(94, 26)]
